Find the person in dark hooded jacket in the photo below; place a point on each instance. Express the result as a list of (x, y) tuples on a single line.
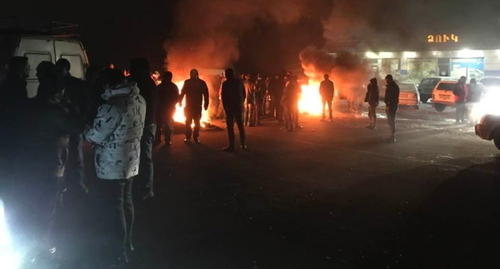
[(196, 92), (168, 94), (13, 92), (391, 102), (233, 97), (41, 164), (140, 73), (13, 102), (327, 91), (76, 93), (372, 98)]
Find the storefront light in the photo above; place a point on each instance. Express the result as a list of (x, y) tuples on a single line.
[(386, 55), (410, 54), (467, 53), (371, 55)]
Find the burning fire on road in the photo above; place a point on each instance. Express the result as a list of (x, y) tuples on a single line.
[(179, 110), (310, 99)]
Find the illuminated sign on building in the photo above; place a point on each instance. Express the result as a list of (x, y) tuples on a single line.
[(442, 38)]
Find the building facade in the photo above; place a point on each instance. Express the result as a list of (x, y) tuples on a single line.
[(448, 55)]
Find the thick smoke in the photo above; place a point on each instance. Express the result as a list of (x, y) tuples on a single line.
[(347, 70), (208, 32)]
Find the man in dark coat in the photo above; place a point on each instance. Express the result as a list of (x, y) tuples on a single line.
[(13, 92), (76, 92), (372, 98), (327, 91), (259, 91), (391, 102), (196, 92), (276, 89), (233, 98), (168, 94), (13, 102), (140, 73), (461, 93), (41, 165)]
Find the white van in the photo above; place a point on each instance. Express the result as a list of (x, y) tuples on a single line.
[(40, 47)]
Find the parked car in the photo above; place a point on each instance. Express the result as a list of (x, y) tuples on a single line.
[(427, 85), (489, 129), (409, 95), (38, 47), (442, 95), (491, 83)]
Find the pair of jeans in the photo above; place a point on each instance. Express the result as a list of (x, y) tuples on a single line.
[(75, 168), (146, 167), (276, 107), (233, 116), (166, 125), (193, 114), (391, 118), (372, 114), (118, 206), (460, 111), (327, 102)]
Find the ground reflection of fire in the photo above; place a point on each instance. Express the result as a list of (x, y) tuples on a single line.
[(310, 100), (179, 110)]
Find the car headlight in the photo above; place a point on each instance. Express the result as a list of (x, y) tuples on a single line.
[(493, 88), (9, 258)]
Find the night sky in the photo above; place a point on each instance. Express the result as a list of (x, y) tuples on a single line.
[(114, 31)]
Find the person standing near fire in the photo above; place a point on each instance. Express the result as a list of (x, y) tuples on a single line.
[(391, 102), (249, 102), (168, 94), (276, 88), (372, 96), (327, 91), (233, 96), (290, 103), (140, 73), (116, 134), (196, 92), (77, 94), (259, 91)]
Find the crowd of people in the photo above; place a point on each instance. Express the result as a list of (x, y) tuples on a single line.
[(42, 156), (123, 115)]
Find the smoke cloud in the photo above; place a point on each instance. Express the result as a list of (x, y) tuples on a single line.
[(347, 70), (258, 33)]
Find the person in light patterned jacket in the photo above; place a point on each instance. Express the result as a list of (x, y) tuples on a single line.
[(116, 134)]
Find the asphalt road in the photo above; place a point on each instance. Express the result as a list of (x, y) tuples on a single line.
[(332, 195)]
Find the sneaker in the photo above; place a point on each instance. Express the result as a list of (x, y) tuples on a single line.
[(243, 146), (228, 149), (197, 141), (187, 140), (331, 120), (369, 127)]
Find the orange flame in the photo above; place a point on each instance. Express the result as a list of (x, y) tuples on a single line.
[(179, 110), (310, 99)]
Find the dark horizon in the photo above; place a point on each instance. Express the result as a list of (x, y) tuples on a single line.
[(116, 31)]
